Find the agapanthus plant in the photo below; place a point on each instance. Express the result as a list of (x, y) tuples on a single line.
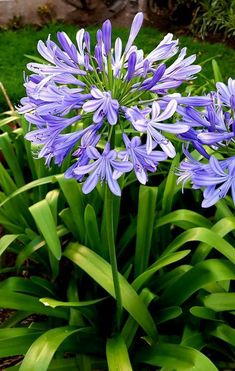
[(79, 98), (212, 133), (111, 109)]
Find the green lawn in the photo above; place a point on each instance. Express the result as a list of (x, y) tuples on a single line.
[(15, 44)]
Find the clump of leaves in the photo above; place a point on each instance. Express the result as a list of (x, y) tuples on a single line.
[(176, 268), (212, 16)]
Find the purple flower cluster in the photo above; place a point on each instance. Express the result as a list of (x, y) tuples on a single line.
[(212, 131), (77, 99)]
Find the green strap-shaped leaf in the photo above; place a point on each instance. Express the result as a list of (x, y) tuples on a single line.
[(25, 302), (203, 235), (35, 245), (192, 337), (57, 303), (170, 186), (220, 302), (52, 199), (16, 341), (68, 221), (145, 221), (117, 354), (27, 286), (11, 159), (64, 364), (75, 198), (44, 220), (31, 185), (225, 333), (101, 272), (204, 313), (190, 218), (23, 285), (141, 280), (216, 71), (200, 275), (176, 357), (8, 187), (8, 120), (167, 314), (222, 228), (131, 326), (43, 349), (6, 240), (92, 228)]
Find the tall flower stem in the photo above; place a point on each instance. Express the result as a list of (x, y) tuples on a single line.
[(112, 251)]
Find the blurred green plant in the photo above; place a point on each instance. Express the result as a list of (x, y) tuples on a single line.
[(212, 16)]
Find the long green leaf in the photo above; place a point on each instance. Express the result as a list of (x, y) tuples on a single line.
[(204, 313), (225, 333), (16, 341), (192, 337), (202, 235), (220, 302), (57, 303), (52, 199), (92, 229), (184, 217), (145, 222), (8, 187), (43, 349), (216, 70), (25, 302), (44, 220), (67, 217), (10, 157), (200, 275), (176, 357), (6, 240), (24, 285), (31, 185), (222, 228), (75, 198), (117, 354), (170, 186), (167, 314), (131, 326), (101, 272), (142, 279), (8, 120)]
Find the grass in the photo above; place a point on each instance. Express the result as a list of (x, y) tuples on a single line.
[(14, 45)]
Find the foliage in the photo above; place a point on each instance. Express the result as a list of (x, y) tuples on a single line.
[(177, 280), (216, 16)]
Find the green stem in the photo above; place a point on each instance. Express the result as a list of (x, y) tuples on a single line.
[(112, 251)]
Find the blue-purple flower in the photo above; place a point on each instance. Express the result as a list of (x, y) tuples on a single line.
[(212, 130), (215, 177), (103, 105), (142, 162), (152, 125), (79, 98), (227, 93), (101, 169)]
